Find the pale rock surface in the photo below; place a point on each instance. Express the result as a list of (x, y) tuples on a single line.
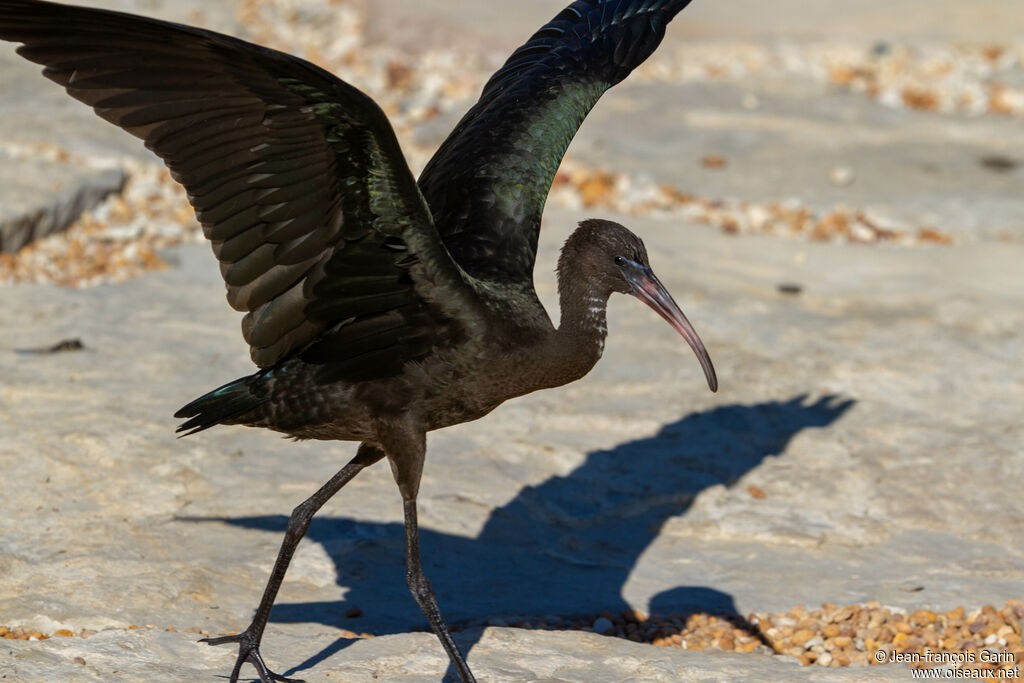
[(879, 411)]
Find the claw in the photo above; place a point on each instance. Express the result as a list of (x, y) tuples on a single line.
[(249, 651)]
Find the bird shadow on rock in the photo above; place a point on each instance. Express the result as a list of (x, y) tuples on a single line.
[(564, 547)]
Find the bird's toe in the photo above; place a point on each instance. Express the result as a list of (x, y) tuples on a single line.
[(249, 651)]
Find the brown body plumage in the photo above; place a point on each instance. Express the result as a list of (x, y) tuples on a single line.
[(515, 350)]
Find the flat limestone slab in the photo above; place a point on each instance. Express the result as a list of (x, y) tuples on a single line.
[(910, 169), (40, 197), (984, 21), (501, 655), (877, 411), (780, 136), (57, 158)]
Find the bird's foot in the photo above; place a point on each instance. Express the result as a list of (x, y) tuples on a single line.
[(249, 651)]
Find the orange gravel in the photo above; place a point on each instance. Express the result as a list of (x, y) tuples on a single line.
[(855, 635), (980, 640), (122, 238), (578, 186)]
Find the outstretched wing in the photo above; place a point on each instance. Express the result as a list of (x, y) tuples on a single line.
[(297, 178), (487, 184)]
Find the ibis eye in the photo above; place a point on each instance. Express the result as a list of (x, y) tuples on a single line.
[(619, 261)]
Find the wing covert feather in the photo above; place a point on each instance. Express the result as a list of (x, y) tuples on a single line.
[(488, 182)]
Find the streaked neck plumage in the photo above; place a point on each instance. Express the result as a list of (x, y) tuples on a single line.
[(580, 337)]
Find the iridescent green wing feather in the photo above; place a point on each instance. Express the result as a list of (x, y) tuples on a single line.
[(487, 184)]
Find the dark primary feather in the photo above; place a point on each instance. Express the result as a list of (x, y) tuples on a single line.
[(297, 178), (487, 184)]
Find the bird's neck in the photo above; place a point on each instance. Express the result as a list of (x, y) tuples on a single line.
[(579, 340)]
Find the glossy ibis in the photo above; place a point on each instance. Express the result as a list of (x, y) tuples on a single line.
[(376, 308)]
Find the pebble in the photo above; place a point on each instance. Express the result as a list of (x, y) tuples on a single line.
[(999, 163), (830, 636), (117, 240), (802, 637), (713, 162), (122, 237), (816, 641), (951, 78), (792, 289), (580, 186), (841, 175), (415, 90)]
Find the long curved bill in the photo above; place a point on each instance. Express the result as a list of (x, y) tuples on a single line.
[(649, 289)]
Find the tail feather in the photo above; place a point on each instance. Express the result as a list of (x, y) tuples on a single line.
[(222, 404)]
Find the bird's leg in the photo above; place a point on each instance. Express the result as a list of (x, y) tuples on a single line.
[(249, 639), (406, 453), (424, 593)]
